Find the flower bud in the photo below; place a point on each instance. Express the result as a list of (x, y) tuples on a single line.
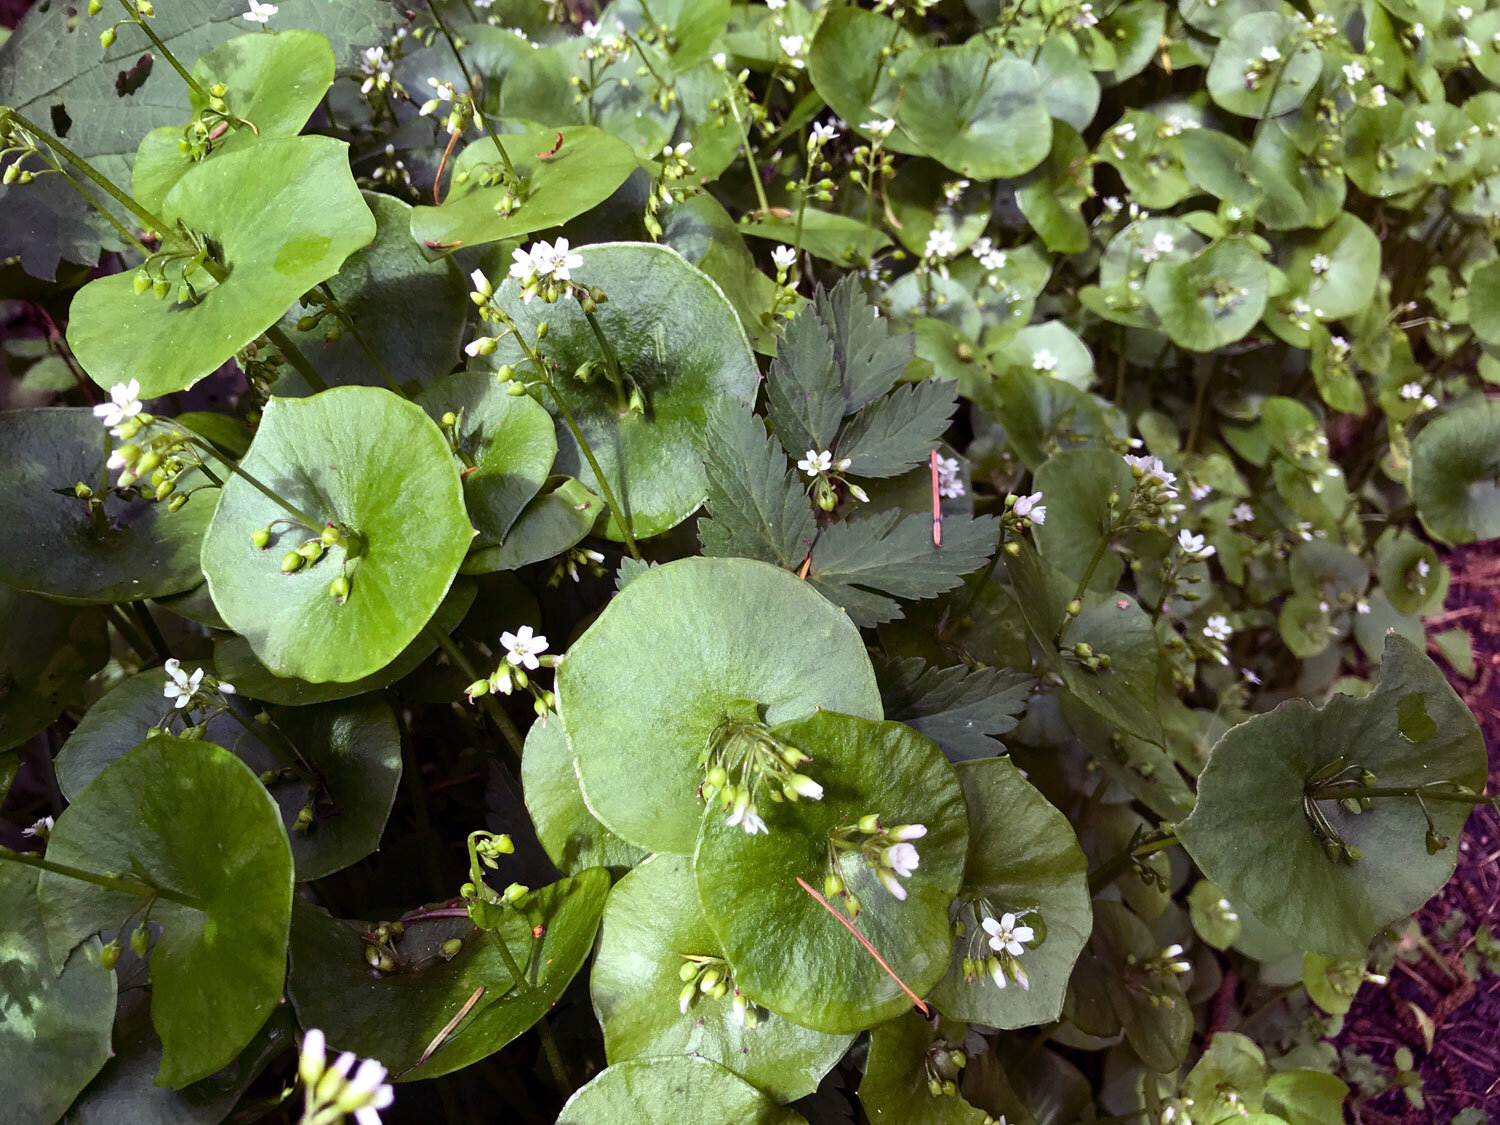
[(851, 904), (107, 40), (832, 885), (685, 997), (176, 503), (541, 330), (110, 954), (1075, 607), (160, 288), (311, 551), (142, 282), (505, 373), (515, 390), (146, 463), (688, 971), (291, 562), (82, 491), (304, 820), (515, 892), (260, 538), (330, 536), (451, 947), (339, 588), (869, 823), (95, 7), (140, 940)]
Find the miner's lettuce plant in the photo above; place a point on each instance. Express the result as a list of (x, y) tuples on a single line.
[(787, 562)]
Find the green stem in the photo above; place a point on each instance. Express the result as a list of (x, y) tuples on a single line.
[(1111, 869), (611, 360), (1083, 583), (1339, 793), (621, 516), (126, 628), (487, 703), (739, 122), (359, 338), (277, 335), (125, 232), (118, 883), (165, 50), (291, 509), (148, 625), (554, 1057), (411, 774), (287, 755), (484, 122)]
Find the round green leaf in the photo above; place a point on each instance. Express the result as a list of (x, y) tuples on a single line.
[(841, 239), (582, 174), (1337, 271), (677, 336), (1155, 1015), (642, 690), (275, 81), (1133, 33), (1264, 66), (1381, 153), (691, 26), (194, 819), (850, 69), (369, 461), (1455, 474), (250, 205), (1484, 303), (1071, 90), (571, 835), (408, 310), (567, 913), (986, 118), (54, 1030), (786, 952), (1051, 195), (505, 448), (1076, 485), (1023, 857), (1214, 917), (1250, 835), (652, 922), (1412, 575), (46, 653), (895, 1087), (1212, 300), (352, 753), (554, 521), (52, 546), (557, 86), (235, 661), (672, 1091)]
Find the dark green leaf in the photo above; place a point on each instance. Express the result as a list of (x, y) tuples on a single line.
[(802, 389), (757, 508), (961, 709), (47, 651), (893, 433), (672, 1091)]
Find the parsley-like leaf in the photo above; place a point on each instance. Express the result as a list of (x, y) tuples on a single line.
[(756, 507), (896, 432), (870, 359), (960, 709), (802, 390)]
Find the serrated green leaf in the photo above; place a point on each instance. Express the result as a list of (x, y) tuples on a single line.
[(870, 356), (802, 389), (756, 507), (961, 709), (893, 433)]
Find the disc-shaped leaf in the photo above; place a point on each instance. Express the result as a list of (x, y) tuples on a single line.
[(672, 1091), (1484, 303), (217, 968), (1212, 300), (54, 1030), (1250, 834), (643, 690), (895, 1087), (557, 86), (1150, 1005), (1412, 575), (272, 248), (1455, 474), (1132, 31), (134, 548), (47, 651), (235, 661), (571, 835), (346, 758), (983, 117), (678, 338), (407, 309), (479, 208), (1337, 271), (1023, 857), (555, 520), (652, 923), (854, 73), (1076, 485), (1264, 66), (274, 82), (785, 950), (366, 460), (505, 448)]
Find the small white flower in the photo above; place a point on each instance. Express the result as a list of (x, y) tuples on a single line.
[(1006, 935), (804, 786), (721, 60), (882, 127), (784, 257), (737, 1005), (1147, 468), (1217, 628), (41, 829), (1361, 606), (903, 832), (523, 647), (482, 286), (940, 244), (953, 192), (1125, 131), (752, 823), (1377, 96), (1463, 11), (1161, 243), (1423, 568), (364, 1095), (1085, 17), (1043, 360), (1429, 402), (1201, 491), (1112, 204), (313, 1059), (1339, 345), (226, 688), (1353, 72), (775, 5), (1319, 264), (544, 260), (1270, 53), (950, 483), (1193, 545), (1411, 391), (1030, 507), (997, 974), (791, 46), (180, 687), (823, 133), (1427, 130), (260, 13), (902, 858), (124, 403), (442, 92), (815, 462), (1243, 513)]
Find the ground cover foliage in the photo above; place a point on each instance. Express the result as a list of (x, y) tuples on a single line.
[(701, 562)]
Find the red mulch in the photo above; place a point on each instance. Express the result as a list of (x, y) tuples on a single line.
[(1462, 1070)]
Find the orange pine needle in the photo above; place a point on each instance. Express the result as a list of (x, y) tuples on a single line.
[(937, 503), (864, 941)]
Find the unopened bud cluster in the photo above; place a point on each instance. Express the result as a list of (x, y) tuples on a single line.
[(705, 975), (525, 651), (996, 941), (886, 850), (941, 1066), (313, 549), (745, 762)]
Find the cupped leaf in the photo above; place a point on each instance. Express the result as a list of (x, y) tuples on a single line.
[(672, 1091), (479, 208), (133, 548), (54, 1029), (1212, 300), (400, 501), (224, 910), (1455, 474), (1147, 998), (235, 661), (271, 248), (785, 950), (571, 835), (557, 519), (1251, 832), (1077, 485), (1338, 270), (274, 82), (906, 1054), (653, 923), (561, 85), (345, 762), (981, 116), (406, 309), (1264, 66), (644, 689), (1023, 860), (506, 447), (676, 336), (856, 63), (1412, 575), (46, 653), (1132, 32)]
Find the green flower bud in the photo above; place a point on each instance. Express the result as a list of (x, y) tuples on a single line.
[(477, 688), (260, 538), (685, 997), (291, 562), (339, 588), (164, 489), (107, 40), (145, 7), (710, 978), (147, 462), (82, 491), (311, 551), (142, 282), (110, 954), (505, 373), (140, 941), (1075, 607), (176, 503), (515, 892), (851, 904), (869, 823), (832, 885), (515, 390), (934, 1087), (372, 955), (688, 971), (541, 330), (160, 288), (268, 777), (503, 845), (9, 175), (304, 820), (451, 948), (95, 7), (720, 990)]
